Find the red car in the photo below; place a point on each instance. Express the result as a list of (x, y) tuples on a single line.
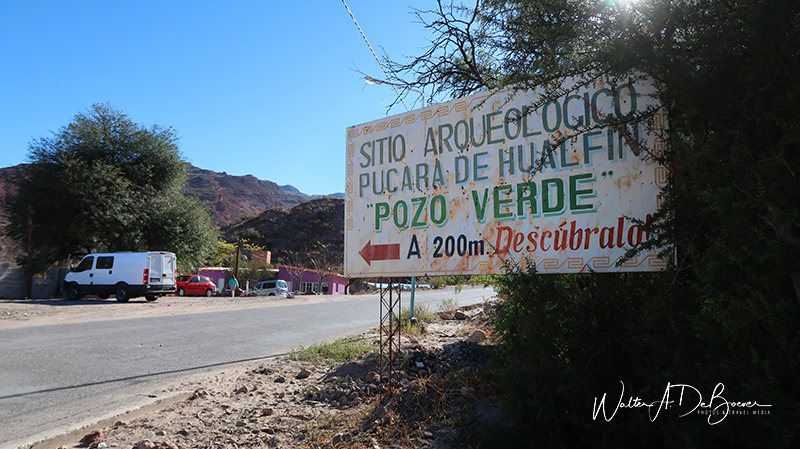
[(194, 285)]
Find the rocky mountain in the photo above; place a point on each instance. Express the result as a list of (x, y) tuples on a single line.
[(312, 229), (243, 201), (233, 197), (230, 197)]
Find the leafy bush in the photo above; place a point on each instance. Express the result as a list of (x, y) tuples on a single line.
[(570, 339)]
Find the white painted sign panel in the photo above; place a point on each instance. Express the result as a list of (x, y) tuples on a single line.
[(458, 187)]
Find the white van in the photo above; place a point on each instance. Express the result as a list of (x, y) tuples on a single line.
[(271, 288), (125, 275)]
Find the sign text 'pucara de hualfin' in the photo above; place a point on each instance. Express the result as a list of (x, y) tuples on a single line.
[(458, 187)]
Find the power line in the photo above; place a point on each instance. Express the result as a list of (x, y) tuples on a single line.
[(373, 52)]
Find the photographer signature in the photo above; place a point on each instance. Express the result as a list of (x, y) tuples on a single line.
[(717, 408)]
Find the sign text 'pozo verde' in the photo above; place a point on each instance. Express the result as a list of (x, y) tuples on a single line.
[(458, 187)]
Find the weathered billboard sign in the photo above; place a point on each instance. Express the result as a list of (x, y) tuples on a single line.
[(457, 187)]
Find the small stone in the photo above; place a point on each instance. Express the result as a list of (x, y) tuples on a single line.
[(242, 390), (303, 374), (280, 380), (459, 315), (160, 433), (427, 435), (420, 365), (93, 439), (477, 336), (372, 377), (240, 423), (445, 316), (144, 444), (267, 412), (198, 394)]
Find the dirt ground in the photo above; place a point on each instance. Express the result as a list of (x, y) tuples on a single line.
[(436, 399), (24, 313)]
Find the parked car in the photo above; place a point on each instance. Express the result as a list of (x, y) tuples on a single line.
[(195, 285), (123, 274), (271, 288)]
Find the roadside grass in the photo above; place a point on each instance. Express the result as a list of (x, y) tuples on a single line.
[(422, 313), (333, 353), (448, 305)]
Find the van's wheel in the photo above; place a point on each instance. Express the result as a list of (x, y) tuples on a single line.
[(272, 294), (209, 293), (181, 291), (73, 292), (150, 297), (122, 293)]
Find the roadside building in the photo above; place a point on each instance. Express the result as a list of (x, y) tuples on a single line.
[(306, 281)]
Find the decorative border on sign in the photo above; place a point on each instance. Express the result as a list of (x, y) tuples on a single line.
[(393, 122)]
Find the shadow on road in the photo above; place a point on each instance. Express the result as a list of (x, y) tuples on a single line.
[(141, 376)]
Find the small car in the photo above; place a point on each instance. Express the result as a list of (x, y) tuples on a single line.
[(271, 288), (195, 285)]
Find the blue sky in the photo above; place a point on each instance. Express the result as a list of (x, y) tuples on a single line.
[(252, 87)]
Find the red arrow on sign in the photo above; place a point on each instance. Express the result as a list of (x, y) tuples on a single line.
[(372, 252)]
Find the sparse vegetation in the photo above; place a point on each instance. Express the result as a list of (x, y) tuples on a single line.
[(458, 282), (422, 313), (332, 353), (448, 305)]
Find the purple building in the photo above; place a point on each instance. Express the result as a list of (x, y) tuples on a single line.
[(305, 280)]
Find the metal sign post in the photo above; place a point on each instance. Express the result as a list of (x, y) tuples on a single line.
[(389, 329)]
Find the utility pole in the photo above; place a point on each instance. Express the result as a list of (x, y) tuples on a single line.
[(236, 262)]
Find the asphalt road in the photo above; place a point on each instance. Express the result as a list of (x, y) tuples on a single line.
[(54, 378)]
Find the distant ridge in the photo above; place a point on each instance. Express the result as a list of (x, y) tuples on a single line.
[(292, 189), (231, 198), (293, 235)]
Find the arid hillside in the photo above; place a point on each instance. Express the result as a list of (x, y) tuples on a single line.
[(311, 229)]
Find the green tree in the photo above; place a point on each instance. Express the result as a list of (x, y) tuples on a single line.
[(224, 255), (105, 183), (727, 310)]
